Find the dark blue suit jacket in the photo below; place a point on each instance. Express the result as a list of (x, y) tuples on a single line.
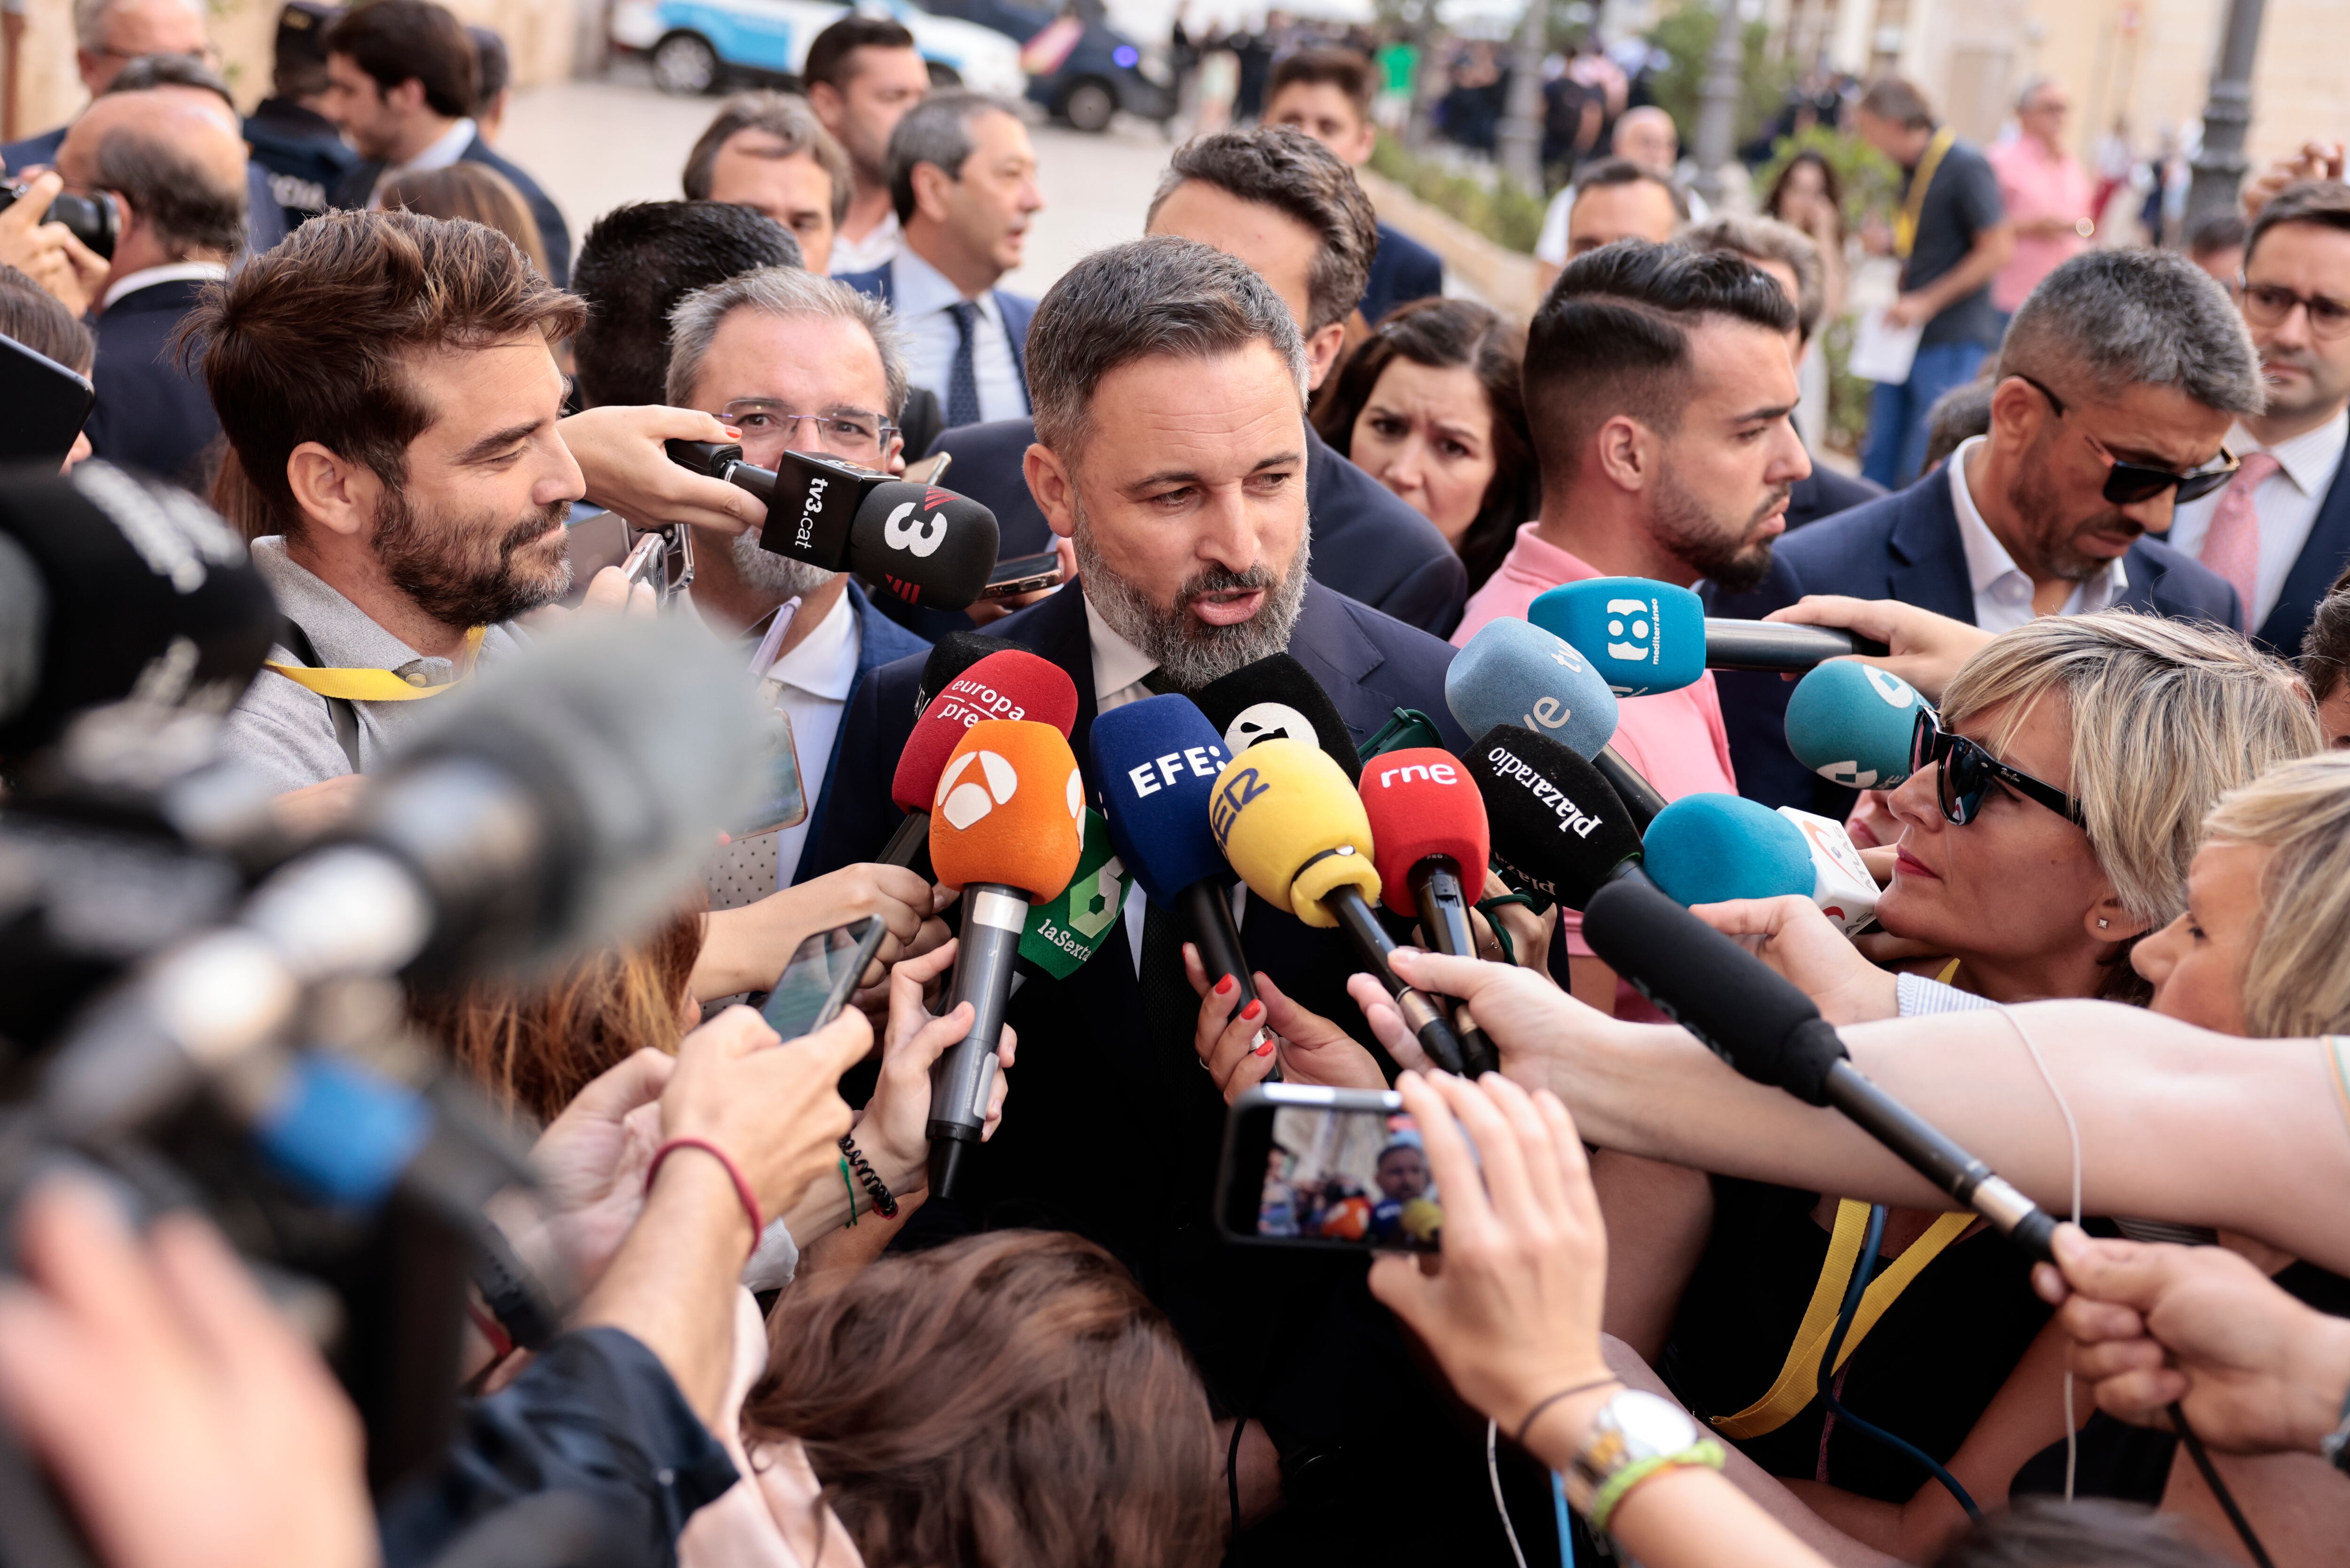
[(264, 220), (150, 413), (1017, 310), (358, 187), (2322, 559), (1368, 544), (1823, 493), (879, 641), (1904, 546), (1402, 270)]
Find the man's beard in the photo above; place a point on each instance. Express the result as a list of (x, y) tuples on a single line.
[(2048, 533), (465, 572), (1730, 555), (764, 572), (1191, 652)]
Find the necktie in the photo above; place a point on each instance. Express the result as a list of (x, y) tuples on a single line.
[(2232, 547), (962, 380)]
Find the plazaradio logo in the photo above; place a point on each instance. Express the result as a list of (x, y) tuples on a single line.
[(811, 508), (1634, 634), (1231, 800), (1572, 818)]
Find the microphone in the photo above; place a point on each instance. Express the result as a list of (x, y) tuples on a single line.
[(1428, 829), (1004, 832), (1295, 829), (1011, 683), (1557, 829), (1705, 848), (950, 657), (1647, 637), (1157, 762), (1513, 672), (1771, 1032), (916, 541), (1841, 883), (1851, 723), (1276, 698)]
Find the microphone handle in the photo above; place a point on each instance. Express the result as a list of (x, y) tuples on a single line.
[(909, 847), (1640, 798), (994, 917), (1444, 902), (1372, 945), (1934, 1156), (1773, 645), (1206, 909)]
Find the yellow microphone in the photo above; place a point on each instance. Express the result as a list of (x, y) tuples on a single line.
[(1296, 832)]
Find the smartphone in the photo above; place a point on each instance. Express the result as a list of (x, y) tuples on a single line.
[(928, 470), (1022, 575), (1307, 1167), (43, 406), (821, 978)]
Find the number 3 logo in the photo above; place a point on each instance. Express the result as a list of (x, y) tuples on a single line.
[(921, 538)]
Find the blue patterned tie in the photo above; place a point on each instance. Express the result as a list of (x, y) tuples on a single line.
[(962, 381)]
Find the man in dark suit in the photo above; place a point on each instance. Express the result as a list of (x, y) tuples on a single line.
[(1169, 385), (1327, 94), (178, 171), (2118, 380), (401, 77)]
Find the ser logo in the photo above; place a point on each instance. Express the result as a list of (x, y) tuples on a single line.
[(1231, 800), (916, 536)]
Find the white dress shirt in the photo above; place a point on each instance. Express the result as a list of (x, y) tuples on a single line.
[(446, 148), (813, 683), (879, 246), (2002, 592), (149, 276), (924, 300), (2287, 502)]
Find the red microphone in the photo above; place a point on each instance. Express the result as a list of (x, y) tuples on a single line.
[(1431, 846), (1010, 684)]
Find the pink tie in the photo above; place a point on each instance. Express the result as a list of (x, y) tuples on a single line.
[(2232, 547)]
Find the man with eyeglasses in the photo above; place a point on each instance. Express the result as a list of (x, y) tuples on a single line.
[(2113, 397), (2280, 531), (108, 36)]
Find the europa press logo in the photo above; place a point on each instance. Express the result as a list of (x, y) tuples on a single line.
[(1634, 634)]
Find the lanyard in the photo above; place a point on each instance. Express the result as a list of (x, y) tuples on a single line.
[(1913, 205), (372, 685)]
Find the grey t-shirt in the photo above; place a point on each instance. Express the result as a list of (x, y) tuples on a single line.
[(285, 732), (1961, 203)]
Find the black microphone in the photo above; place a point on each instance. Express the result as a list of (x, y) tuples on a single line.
[(1642, 800), (1557, 829), (950, 657), (1777, 646), (1761, 1024), (1277, 698)]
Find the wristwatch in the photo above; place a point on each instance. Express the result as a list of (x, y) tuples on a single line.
[(1633, 1436)]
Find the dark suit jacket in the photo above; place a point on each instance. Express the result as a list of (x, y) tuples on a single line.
[(1904, 546), (1823, 493), (1402, 270), (1368, 544), (150, 413), (264, 220), (2322, 559), (1017, 310), (879, 641), (358, 187)]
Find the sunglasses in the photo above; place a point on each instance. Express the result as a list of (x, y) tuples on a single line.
[(1968, 772), (2128, 484)]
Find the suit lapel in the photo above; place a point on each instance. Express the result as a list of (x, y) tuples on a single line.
[(1339, 656), (1015, 332), (1929, 562), (2323, 556)]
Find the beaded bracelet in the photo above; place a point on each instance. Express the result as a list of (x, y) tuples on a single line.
[(742, 1188), (884, 1202)]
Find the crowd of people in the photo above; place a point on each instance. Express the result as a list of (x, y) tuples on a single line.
[(733, 1308)]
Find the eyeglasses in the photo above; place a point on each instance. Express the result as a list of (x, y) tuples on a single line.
[(844, 432), (1968, 772), (2268, 305), (2129, 483)]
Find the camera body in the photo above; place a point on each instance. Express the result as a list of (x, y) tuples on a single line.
[(91, 219)]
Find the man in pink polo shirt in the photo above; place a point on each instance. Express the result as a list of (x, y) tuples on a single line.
[(2046, 193), (1657, 390)]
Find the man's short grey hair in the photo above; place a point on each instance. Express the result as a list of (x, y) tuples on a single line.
[(2117, 319), (2031, 88), (937, 130), (1160, 295), (793, 129), (1761, 239), (778, 291), (89, 20)]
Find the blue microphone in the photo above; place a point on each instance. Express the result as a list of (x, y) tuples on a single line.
[(1704, 848), (1516, 673), (1851, 723), (1641, 635), (1155, 762)]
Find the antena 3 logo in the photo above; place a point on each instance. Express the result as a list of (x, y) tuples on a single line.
[(1634, 634), (811, 508), (919, 536), (1572, 818)]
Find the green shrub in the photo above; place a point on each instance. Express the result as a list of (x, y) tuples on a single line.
[(1501, 211), (1869, 180)]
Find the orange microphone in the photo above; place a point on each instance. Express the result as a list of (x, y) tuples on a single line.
[(1006, 825)]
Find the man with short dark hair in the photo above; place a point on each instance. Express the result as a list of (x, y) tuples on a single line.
[(402, 75), (635, 265), (768, 151), (1327, 94), (305, 156), (2217, 246), (862, 73), (1613, 198)]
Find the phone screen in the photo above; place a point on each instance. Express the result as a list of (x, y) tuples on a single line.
[(820, 978), (1349, 1172)]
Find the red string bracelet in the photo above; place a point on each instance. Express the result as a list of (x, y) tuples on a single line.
[(742, 1188)]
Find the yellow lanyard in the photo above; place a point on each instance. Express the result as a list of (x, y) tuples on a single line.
[(1905, 221), (1799, 1379), (373, 685)]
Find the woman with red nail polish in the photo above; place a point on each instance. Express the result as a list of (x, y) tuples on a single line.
[(1241, 1048)]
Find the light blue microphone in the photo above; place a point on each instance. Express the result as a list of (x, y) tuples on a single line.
[(1851, 723), (1515, 673), (1642, 635), (1704, 848)]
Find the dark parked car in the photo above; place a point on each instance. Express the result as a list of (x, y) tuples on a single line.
[(1079, 66)]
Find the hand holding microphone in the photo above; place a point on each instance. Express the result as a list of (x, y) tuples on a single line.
[(1647, 637), (1241, 1052), (1920, 647), (1427, 823)]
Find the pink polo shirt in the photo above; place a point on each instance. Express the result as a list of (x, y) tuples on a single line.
[(1675, 740), (2033, 183)]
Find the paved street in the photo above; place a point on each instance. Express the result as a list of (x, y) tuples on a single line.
[(596, 144)]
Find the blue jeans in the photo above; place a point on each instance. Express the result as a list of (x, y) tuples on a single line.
[(1896, 447)]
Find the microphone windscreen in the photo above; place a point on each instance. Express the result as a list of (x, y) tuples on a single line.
[(1277, 698), (922, 544), (950, 657), (1851, 723), (1010, 809), (1704, 848), (1012, 684), (1557, 827), (1294, 827), (1514, 672), (1156, 763), (1422, 802), (1641, 635)]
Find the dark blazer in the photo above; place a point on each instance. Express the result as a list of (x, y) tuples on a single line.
[(2322, 559), (1402, 270), (358, 187), (150, 413), (1823, 493), (264, 220), (1368, 544), (1904, 546), (1017, 310), (879, 641)]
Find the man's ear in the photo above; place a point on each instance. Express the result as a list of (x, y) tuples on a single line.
[(824, 99), (2016, 410), (1054, 486), (932, 185), (1626, 454), (1322, 352), (2108, 922), (335, 494), (407, 96)]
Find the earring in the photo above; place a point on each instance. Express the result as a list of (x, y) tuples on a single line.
[(2102, 924)]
